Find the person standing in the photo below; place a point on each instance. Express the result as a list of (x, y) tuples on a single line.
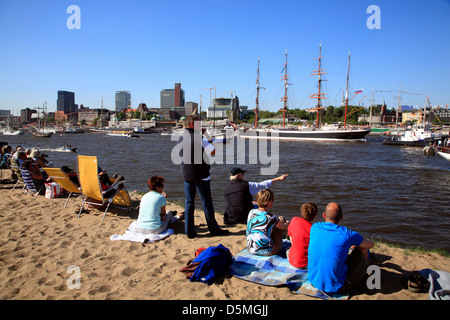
[(195, 170)]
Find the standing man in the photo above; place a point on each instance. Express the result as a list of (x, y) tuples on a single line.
[(238, 195), (195, 169), (330, 267)]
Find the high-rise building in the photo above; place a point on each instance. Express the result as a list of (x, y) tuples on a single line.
[(66, 102), (172, 98), (123, 100), (25, 115)]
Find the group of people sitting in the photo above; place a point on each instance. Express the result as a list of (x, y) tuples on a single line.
[(335, 256), (323, 247), (35, 162), (31, 159)]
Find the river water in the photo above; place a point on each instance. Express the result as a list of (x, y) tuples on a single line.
[(391, 193)]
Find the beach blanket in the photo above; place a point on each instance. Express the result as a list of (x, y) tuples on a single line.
[(133, 235), (439, 284), (276, 271)]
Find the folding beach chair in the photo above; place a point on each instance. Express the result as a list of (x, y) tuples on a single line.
[(16, 171), (28, 181), (61, 178), (91, 189)]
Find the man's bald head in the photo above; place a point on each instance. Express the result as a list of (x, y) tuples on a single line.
[(333, 213)]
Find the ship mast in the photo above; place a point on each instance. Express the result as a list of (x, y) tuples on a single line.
[(346, 92), (284, 99), (319, 95), (257, 97)]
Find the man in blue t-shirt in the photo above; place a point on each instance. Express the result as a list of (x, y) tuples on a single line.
[(330, 267)]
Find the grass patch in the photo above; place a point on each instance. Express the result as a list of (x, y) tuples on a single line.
[(415, 249)]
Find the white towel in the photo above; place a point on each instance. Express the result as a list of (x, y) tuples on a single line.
[(132, 235)]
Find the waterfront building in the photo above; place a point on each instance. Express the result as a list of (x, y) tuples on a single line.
[(66, 102), (224, 108), (191, 107), (66, 108), (123, 100), (89, 115), (4, 115), (25, 115), (172, 103)]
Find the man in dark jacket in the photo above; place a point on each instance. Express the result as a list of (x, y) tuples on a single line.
[(238, 195), (195, 169)]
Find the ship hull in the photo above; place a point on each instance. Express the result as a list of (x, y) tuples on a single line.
[(308, 135)]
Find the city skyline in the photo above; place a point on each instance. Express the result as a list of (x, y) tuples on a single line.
[(146, 46)]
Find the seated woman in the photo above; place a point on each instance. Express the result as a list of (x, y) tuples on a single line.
[(265, 231), (36, 174), (152, 212)]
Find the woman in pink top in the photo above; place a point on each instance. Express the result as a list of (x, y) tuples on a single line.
[(298, 231)]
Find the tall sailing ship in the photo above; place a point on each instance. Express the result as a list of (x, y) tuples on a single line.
[(319, 133)]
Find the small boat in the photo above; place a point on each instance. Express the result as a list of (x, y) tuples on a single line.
[(216, 135), (43, 134), (432, 150), (11, 132), (418, 136), (444, 152), (67, 149), (122, 134)]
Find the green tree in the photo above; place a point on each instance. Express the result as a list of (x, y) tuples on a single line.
[(121, 116)]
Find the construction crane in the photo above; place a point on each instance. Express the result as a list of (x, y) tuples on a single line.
[(232, 93), (210, 97), (398, 100)]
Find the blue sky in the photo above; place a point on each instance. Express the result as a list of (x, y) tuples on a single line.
[(144, 46)]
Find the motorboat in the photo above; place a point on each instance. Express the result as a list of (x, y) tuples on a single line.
[(417, 136)]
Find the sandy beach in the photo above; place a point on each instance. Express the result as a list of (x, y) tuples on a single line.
[(40, 240)]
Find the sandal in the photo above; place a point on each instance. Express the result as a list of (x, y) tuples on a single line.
[(418, 283)]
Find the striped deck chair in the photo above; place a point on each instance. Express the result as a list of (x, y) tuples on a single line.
[(29, 184), (61, 178), (92, 193)]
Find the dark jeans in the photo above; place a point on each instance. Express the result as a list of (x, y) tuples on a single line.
[(356, 271), (204, 190)]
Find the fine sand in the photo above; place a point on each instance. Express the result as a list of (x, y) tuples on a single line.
[(40, 241)]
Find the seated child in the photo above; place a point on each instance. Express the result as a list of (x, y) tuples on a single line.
[(298, 231), (265, 231)]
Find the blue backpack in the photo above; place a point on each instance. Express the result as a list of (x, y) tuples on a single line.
[(211, 263)]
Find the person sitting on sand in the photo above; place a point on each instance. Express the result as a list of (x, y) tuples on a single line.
[(265, 231), (153, 218), (298, 230), (238, 195), (330, 267), (35, 173)]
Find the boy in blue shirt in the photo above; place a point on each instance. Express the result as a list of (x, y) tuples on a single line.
[(330, 267)]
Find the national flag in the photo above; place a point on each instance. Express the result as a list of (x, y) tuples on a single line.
[(359, 91)]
